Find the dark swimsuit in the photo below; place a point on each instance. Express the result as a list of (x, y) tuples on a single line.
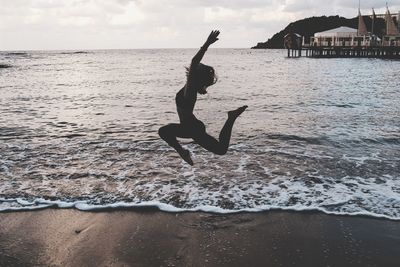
[(186, 117)]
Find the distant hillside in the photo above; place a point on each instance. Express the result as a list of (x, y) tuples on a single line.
[(307, 27)]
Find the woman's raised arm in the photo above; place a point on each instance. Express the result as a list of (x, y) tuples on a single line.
[(212, 38)]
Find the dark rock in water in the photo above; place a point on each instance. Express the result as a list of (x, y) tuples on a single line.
[(5, 66), (75, 52), (309, 26), (17, 54)]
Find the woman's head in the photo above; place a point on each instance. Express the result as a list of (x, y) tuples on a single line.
[(204, 76)]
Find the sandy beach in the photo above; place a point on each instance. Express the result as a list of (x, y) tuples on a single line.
[(57, 237)]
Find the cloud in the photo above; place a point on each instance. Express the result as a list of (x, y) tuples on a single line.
[(337, 7), (90, 24), (131, 15)]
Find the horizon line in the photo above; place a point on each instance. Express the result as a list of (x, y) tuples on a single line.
[(102, 49)]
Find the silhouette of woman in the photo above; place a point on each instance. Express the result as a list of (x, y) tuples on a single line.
[(199, 77)]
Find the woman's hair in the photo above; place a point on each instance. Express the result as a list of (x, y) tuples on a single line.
[(203, 74)]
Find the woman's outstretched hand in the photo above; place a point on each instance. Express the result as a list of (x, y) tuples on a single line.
[(212, 38)]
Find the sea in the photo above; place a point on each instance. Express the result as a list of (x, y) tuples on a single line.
[(78, 129)]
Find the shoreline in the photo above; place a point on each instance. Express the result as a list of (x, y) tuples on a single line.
[(168, 208), (149, 237)]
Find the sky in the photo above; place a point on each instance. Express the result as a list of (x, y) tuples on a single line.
[(124, 24)]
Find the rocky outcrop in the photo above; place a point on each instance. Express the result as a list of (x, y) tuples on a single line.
[(307, 27)]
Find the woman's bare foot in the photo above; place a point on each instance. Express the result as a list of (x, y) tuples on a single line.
[(236, 113), (185, 155)]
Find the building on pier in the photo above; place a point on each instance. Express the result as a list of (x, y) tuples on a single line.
[(345, 42), (361, 37), (342, 36)]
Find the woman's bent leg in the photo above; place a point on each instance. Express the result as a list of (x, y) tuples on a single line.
[(169, 133), (220, 147), (210, 143)]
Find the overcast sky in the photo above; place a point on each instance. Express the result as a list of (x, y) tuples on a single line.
[(103, 24)]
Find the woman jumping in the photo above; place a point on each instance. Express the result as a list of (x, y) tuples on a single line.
[(199, 77)]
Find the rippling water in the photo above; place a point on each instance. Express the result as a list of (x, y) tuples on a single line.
[(80, 130)]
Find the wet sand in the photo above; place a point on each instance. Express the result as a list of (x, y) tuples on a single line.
[(56, 237)]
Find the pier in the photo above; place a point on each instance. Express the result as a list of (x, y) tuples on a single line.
[(346, 42), (387, 52)]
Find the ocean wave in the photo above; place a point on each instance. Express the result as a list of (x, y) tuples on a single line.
[(384, 140), (19, 204), (193, 191), (287, 137), (323, 140), (12, 55), (343, 106), (5, 66)]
